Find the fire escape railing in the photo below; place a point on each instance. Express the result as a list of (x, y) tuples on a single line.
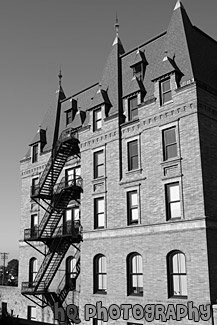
[(57, 238)]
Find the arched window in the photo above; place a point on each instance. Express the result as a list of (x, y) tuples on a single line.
[(33, 269), (100, 275), (71, 272), (177, 275), (134, 274)]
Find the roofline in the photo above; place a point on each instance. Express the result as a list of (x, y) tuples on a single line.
[(143, 44), (81, 91), (206, 35)]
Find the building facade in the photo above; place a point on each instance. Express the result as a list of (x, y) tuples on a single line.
[(119, 187)]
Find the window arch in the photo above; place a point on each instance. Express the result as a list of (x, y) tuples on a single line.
[(177, 275), (71, 272), (134, 274), (33, 269), (100, 275)]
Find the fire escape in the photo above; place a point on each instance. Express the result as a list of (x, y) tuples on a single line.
[(54, 198)]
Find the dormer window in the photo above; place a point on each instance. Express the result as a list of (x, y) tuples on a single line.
[(138, 70), (133, 108), (97, 119), (35, 153), (165, 91), (69, 116)]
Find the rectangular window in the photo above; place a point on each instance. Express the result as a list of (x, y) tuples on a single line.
[(133, 157), (173, 202), (34, 185), (169, 143), (132, 207), (97, 119), (69, 117), (99, 213), (34, 225), (98, 164), (4, 308), (72, 174), (165, 91), (31, 312), (35, 153), (138, 70), (133, 108)]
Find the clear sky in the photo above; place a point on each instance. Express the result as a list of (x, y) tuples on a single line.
[(36, 37)]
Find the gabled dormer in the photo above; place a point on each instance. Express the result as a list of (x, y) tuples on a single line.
[(99, 109), (70, 111), (38, 144), (167, 78), (133, 98), (139, 65)]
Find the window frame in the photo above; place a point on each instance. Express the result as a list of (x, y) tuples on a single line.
[(130, 220), (69, 178), (166, 146), (97, 213), (34, 225), (69, 116), (171, 274), (97, 274), (95, 120), (162, 92), (138, 70), (33, 270), (35, 182), (169, 202), (97, 166), (130, 156), (131, 274), (130, 109), (29, 312), (35, 153)]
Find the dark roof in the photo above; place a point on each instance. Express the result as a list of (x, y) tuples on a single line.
[(101, 97), (135, 86), (165, 67), (188, 50)]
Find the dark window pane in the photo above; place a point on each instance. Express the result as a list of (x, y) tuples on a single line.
[(133, 110), (166, 85), (134, 162), (167, 97), (97, 119), (133, 102), (170, 136), (169, 143), (134, 113), (171, 151)]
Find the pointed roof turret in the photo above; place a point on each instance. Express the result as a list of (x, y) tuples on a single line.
[(60, 97), (117, 38), (178, 5), (178, 42), (111, 76)]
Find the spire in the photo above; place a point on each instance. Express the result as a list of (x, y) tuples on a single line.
[(179, 40), (117, 39), (117, 25), (60, 77), (60, 97)]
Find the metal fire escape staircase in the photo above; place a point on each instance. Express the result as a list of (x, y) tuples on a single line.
[(57, 239)]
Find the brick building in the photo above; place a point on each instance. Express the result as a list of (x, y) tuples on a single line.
[(122, 209)]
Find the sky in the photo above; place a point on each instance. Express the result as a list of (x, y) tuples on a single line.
[(36, 37)]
